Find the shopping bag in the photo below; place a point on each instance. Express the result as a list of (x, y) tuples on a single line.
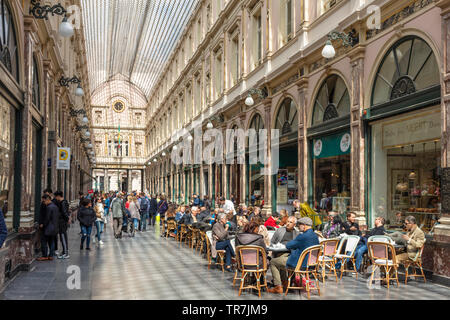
[(158, 219)]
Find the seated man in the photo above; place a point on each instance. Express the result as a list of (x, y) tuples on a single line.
[(221, 241), (305, 240), (351, 227), (414, 240), (189, 219), (361, 250), (278, 263)]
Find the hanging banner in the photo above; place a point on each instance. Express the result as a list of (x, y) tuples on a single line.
[(332, 145), (63, 159)]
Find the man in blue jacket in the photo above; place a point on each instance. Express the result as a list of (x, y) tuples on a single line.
[(305, 240), (3, 229)]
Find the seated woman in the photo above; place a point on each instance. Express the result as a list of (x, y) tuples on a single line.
[(170, 215), (333, 228), (263, 230), (221, 241), (250, 237)]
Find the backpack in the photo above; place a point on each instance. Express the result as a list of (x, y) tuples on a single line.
[(144, 205)]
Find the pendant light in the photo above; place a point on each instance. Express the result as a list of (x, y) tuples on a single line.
[(402, 186), (66, 29), (412, 174)]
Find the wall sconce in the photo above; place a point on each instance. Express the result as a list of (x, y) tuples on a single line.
[(262, 93), (65, 82), (41, 12), (348, 39)]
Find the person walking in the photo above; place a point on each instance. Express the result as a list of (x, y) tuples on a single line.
[(118, 212), (49, 226), (162, 206), (107, 203), (144, 204), (63, 223), (3, 229), (100, 220), (134, 211), (153, 208), (87, 219)]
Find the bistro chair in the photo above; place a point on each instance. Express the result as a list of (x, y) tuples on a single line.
[(329, 249), (381, 238), (312, 254), (253, 262), (220, 253), (379, 253), (271, 233), (414, 263), (163, 226), (351, 242), (182, 233), (171, 227)]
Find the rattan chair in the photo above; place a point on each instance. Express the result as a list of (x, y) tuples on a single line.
[(253, 261), (313, 263), (182, 233), (351, 242), (171, 227), (379, 254), (220, 253), (329, 249), (414, 263)]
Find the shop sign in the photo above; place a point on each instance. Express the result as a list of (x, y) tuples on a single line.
[(332, 145), (416, 129), (63, 159)]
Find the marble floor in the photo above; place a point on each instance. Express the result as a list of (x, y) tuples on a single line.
[(153, 268)]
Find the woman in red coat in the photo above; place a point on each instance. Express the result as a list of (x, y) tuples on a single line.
[(272, 221)]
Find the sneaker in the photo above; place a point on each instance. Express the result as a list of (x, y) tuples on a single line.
[(81, 247), (101, 242), (61, 256), (57, 253), (94, 240), (88, 249), (66, 256)]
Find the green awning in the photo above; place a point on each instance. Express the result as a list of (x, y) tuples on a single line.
[(332, 145)]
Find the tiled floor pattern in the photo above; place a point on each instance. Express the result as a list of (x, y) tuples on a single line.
[(151, 267)]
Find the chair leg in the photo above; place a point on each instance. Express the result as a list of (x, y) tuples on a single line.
[(371, 277), (258, 284), (387, 275), (396, 275), (242, 284), (289, 284), (406, 272), (307, 284), (423, 274), (354, 267)]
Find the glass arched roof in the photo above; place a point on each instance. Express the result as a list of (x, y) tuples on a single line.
[(132, 38)]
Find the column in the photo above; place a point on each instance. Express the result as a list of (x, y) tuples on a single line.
[(267, 209), (357, 165), (129, 181), (302, 85), (225, 183)]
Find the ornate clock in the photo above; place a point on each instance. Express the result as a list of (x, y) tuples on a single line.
[(118, 106)]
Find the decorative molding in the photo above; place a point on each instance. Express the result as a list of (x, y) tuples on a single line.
[(286, 83)]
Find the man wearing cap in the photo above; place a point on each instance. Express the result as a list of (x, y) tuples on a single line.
[(305, 240)]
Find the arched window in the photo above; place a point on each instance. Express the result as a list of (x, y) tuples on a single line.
[(9, 55), (332, 100), (409, 66), (36, 94), (287, 120), (257, 124)]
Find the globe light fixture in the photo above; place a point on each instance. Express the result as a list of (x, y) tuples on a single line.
[(163, 154), (190, 138), (88, 134), (85, 120), (90, 145), (79, 91), (66, 29), (249, 101), (175, 148), (328, 51), (209, 125), (154, 160)]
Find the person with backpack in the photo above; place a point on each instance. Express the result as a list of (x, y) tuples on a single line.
[(144, 204), (118, 211), (48, 223), (63, 221), (162, 207), (87, 218)]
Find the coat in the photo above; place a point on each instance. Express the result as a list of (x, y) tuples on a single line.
[(251, 239), (134, 210), (416, 241), (118, 208), (153, 206), (219, 231), (162, 208), (279, 234), (64, 215), (3, 229), (271, 223), (298, 245), (86, 216), (51, 220)]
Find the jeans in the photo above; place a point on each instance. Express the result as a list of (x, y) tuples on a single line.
[(152, 219), (144, 218), (86, 231), (359, 254), (47, 242), (136, 223), (338, 264), (65, 245), (99, 225), (229, 252)]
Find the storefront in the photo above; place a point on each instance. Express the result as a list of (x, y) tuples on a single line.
[(404, 130), (285, 182), (330, 147), (255, 181)]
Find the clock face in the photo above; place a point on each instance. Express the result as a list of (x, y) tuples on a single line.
[(118, 106)]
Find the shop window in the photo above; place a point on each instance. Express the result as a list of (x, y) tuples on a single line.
[(332, 101), (36, 94), (256, 179), (409, 66), (287, 120), (9, 55)]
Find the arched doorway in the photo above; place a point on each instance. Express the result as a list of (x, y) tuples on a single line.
[(405, 142), (255, 179), (285, 182), (330, 140)]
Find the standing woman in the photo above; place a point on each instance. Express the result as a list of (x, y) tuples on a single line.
[(87, 219), (134, 211), (107, 203), (100, 221), (162, 207)]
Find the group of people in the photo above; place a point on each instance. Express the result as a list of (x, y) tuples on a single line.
[(250, 227)]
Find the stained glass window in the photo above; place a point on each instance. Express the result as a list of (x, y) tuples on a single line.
[(287, 120), (9, 56)]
